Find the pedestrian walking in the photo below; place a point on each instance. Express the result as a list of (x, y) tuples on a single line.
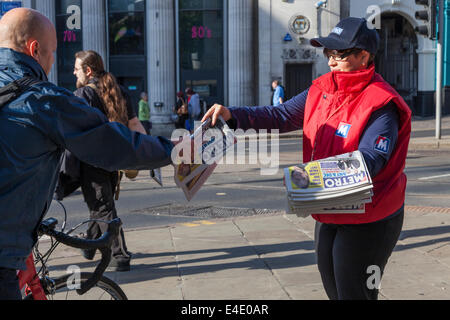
[(350, 108), (194, 107), (101, 90), (144, 113), (278, 93), (181, 111)]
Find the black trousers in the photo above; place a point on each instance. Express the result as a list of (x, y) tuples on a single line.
[(351, 258), (98, 187), (147, 126), (9, 285)]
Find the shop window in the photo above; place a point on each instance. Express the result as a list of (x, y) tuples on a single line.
[(70, 41), (126, 20), (201, 39), (201, 4)]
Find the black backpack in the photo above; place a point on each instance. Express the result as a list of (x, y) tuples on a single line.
[(13, 90)]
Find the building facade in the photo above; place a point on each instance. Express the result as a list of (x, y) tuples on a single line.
[(229, 51), (408, 60)]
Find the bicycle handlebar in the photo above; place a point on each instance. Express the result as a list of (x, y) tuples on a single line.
[(103, 244)]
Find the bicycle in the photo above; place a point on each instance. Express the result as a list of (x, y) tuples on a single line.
[(38, 285)]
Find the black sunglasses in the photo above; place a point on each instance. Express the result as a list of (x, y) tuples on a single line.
[(340, 55)]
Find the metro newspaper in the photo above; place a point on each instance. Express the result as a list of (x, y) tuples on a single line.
[(339, 184), (210, 144)]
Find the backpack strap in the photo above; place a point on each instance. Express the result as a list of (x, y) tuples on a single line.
[(13, 90)]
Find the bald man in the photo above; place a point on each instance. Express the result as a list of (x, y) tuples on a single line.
[(25, 30), (37, 127)]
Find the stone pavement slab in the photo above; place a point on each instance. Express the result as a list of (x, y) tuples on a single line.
[(268, 257)]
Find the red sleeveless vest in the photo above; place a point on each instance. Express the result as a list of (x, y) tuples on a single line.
[(348, 99)]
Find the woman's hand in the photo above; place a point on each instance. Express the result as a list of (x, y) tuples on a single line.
[(215, 111)]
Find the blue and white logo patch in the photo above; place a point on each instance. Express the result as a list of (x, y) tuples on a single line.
[(382, 144), (343, 130), (337, 30)]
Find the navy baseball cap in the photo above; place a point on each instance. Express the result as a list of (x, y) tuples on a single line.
[(350, 33)]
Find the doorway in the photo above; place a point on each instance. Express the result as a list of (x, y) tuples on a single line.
[(397, 59), (298, 78), (134, 86)]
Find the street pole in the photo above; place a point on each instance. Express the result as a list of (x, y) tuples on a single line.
[(439, 69)]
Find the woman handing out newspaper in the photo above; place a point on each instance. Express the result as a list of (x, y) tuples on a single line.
[(350, 108)]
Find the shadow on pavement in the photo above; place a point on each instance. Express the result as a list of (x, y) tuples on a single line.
[(421, 233), (176, 267)]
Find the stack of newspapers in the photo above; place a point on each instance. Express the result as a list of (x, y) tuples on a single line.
[(209, 144), (340, 184)]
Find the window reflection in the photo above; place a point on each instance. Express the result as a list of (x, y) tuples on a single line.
[(126, 33), (127, 45), (126, 5), (126, 27)]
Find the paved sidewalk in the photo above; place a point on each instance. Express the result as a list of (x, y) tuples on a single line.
[(268, 257), (423, 134)]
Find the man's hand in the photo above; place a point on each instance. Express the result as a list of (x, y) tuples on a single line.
[(135, 125), (215, 111)]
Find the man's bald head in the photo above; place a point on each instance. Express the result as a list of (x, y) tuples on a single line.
[(30, 32)]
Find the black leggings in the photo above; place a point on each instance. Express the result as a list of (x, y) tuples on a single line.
[(351, 258)]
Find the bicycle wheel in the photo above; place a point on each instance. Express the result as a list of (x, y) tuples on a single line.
[(105, 289)]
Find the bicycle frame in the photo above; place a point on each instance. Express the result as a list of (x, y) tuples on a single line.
[(30, 280)]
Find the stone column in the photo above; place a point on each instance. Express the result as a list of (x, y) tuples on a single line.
[(94, 27), (240, 53), (161, 64), (265, 51), (426, 85), (47, 8)]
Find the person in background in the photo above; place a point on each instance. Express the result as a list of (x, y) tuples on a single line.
[(144, 113), (194, 107), (278, 93), (181, 111), (36, 128)]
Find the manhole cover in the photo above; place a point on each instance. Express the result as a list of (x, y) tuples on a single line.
[(205, 211)]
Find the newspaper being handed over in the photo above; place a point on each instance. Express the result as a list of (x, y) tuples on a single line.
[(340, 184), (208, 145)]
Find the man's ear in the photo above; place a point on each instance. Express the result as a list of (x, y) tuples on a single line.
[(89, 72), (32, 48)]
